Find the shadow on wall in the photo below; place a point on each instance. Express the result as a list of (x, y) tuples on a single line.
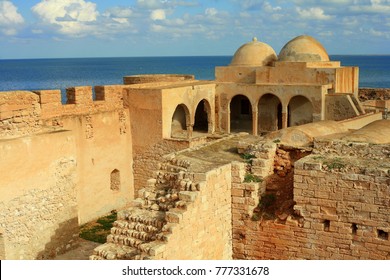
[(2, 247), (64, 239)]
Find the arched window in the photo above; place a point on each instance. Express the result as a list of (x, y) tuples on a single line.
[(115, 180), (240, 114), (300, 111)]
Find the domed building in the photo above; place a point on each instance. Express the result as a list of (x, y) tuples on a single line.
[(254, 53), (303, 48), (260, 92)]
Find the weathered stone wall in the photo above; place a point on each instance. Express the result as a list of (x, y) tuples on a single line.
[(19, 113), (145, 163), (154, 78), (38, 208), (80, 101), (340, 107), (103, 142), (341, 212), (203, 230)]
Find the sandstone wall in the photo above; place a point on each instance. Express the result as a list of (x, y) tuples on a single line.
[(103, 144), (146, 162), (341, 211), (19, 113), (38, 208), (203, 230), (340, 107), (80, 101)]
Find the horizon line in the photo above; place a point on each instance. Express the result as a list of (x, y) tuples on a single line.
[(163, 56)]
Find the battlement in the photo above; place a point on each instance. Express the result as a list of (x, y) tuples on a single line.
[(22, 112)]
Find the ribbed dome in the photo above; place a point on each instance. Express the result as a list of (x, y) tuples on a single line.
[(303, 48), (254, 53)]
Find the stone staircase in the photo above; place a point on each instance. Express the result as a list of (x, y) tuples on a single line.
[(142, 231)]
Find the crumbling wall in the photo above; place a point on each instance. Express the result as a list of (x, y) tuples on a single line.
[(341, 210), (19, 113), (147, 161), (203, 230)]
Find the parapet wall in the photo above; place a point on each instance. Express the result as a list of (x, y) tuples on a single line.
[(80, 101), (19, 113), (156, 78), (22, 112)]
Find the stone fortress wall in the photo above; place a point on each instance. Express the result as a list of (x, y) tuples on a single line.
[(61, 166)]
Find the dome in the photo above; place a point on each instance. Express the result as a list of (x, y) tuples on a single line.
[(254, 53), (303, 49)]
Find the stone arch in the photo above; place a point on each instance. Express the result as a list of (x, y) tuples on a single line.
[(202, 121), (240, 114), (270, 113), (300, 111), (180, 121), (115, 180)]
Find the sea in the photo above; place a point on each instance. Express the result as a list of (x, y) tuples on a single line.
[(61, 73)]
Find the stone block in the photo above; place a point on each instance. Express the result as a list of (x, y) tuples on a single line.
[(238, 192), (188, 196), (312, 166)]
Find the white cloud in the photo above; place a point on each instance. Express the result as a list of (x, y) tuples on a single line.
[(211, 11), (375, 6), (313, 13), (71, 17), (118, 12), (269, 8), (150, 4), (158, 14), (10, 19)]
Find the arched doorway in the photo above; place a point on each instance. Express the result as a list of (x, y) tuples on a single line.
[(270, 113), (202, 115), (180, 119), (300, 111), (240, 114)]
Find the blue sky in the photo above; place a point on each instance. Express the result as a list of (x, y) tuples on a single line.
[(115, 28)]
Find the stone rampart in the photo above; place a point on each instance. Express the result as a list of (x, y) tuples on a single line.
[(22, 112), (19, 113), (80, 101)]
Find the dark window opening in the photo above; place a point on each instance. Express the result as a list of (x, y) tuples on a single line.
[(354, 229), (326, 225), (245, 107), (201, 118), (383, 234), (280, 116)]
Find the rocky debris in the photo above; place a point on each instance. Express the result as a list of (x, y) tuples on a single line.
[(282, 163), (374, 94)]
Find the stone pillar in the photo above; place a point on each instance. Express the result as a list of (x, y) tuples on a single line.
[(255, 121), (284, 116), (190, 129)]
